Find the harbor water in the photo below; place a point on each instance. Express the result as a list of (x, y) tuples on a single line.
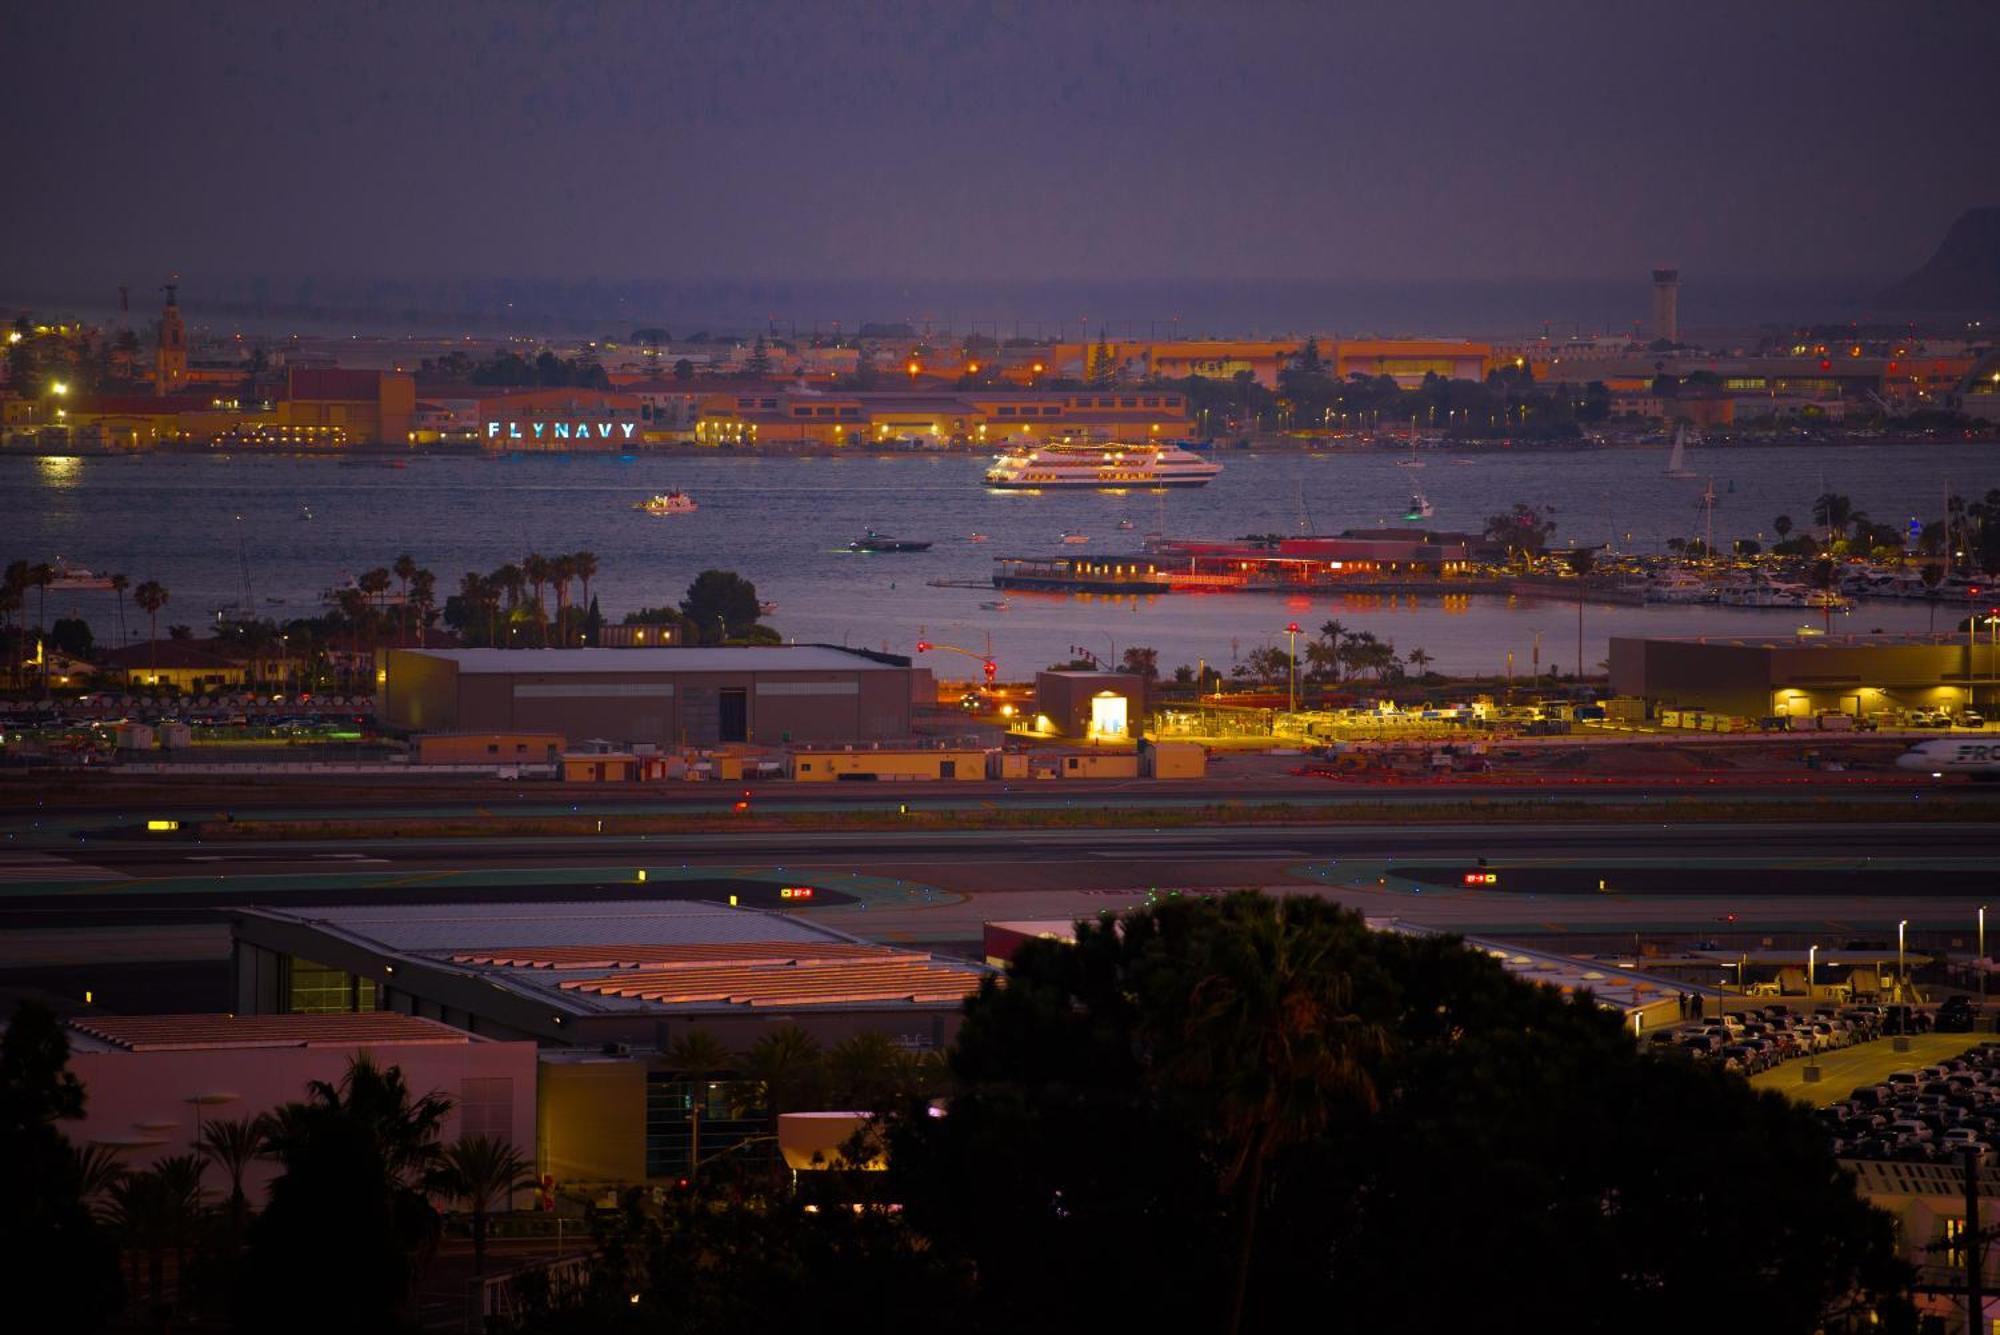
[(208, 526)]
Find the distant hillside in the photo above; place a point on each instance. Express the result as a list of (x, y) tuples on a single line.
[(1964, 274)]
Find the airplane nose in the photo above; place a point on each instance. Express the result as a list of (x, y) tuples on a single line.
[(1912, 760)]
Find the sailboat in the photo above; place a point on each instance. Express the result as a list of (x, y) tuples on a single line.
[(1677, 461), (1413, 461)]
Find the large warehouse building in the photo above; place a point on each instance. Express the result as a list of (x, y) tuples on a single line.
[(772, 695), (1806, 675)]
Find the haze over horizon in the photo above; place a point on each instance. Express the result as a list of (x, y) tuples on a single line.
[(891, 143)]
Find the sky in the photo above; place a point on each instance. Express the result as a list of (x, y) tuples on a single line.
[(1425, 139)]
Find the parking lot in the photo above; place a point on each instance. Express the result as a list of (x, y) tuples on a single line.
[(1868, 1063)]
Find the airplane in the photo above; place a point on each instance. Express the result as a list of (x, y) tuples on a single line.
[(1980, 759)]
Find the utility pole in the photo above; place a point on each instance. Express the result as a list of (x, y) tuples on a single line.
[(1974, 1245)]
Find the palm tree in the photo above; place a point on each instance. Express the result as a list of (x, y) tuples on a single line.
[(868, 1071), (423, 599), (1782, 526), (585, 565), (150, 597), (1418, 660), (478, 1168), (535, 569), (561, 571), (156, 1211), (405, 567), (375, 583), (97, 1171), (1269, 1029), (40, 576), (233, 1145), (788, 1063), (697, 1057), (120, 583), (10, 603)]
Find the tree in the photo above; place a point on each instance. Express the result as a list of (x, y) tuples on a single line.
[(1419, 661), (683, 369), (156, 1211), (537, 569), (405, 567), (1523, 530), (1112, 1099), (349, 1223), (1142, 661), (721, 605), (869, 1072), (150, 597), (697, 1056), (477, 1169), (789, 1065), (562, 571), (58, 1266), (1782, 526), (71, 635), (233, 1145), (120, 583), (584, 566), (1833, 512)]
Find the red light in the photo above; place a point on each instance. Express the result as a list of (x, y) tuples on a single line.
[(1825, 365), (992, 668), (796, 892), (742, 807), (923, 646), (1292, 628)]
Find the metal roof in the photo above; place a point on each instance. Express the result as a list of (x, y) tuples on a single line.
[(471, 928), (628, 662), (186, 1033)]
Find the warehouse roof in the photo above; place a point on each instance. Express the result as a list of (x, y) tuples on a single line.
[(186, 1033), (625, 662), (616, 957)]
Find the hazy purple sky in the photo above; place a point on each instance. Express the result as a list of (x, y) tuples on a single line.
[(1455, 138)]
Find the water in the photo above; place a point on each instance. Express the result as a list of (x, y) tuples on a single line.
[(784, 524)]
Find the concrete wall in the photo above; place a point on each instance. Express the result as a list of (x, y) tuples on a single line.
[(147, 1095), (592, 1119)]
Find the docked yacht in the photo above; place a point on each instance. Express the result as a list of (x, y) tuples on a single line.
[(1764, 593), (1069, 464)]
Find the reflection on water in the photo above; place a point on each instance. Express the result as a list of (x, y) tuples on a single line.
[(785, 522)]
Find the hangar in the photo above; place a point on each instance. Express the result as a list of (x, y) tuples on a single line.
[(773, 695)]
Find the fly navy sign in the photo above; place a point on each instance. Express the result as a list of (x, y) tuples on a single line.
[(560, 430)]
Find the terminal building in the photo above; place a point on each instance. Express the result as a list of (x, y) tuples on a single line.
[(771, 695), (1805, 676)]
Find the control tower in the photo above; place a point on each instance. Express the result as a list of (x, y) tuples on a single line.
[(1667, 305)]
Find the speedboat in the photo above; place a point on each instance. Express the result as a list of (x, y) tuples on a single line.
[(1074, 539), (1420, 507), (675, 502), (871, 541), (71, 578), (1124, 526), (976, 537)]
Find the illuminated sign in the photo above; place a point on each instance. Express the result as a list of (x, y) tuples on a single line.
[(1482, 878), (560, 430), (796, 892), (162, 826)]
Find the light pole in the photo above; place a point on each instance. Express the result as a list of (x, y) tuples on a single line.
[(1292, 670), (1982, 959), (1902, 1016), (1812, 954)]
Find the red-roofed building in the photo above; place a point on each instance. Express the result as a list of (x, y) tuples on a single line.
[(334, 407)]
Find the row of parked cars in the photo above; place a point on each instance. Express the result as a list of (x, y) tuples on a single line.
[(1756, 1040), (1932, 1114)]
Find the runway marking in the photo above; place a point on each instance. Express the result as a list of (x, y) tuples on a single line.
[(19, 866), (1175, 855)]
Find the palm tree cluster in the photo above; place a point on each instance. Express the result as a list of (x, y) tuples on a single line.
[(507, 607), (361, 1170)]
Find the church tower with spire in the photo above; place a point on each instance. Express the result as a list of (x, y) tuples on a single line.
[(170, 361)]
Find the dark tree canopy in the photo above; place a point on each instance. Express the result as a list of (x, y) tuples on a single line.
[(721, 604)]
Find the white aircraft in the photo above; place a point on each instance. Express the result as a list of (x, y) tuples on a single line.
[(1980, 759)]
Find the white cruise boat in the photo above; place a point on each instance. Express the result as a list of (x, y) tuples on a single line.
[(1035, 467)]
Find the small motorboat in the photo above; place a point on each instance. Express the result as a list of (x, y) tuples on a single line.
[(976, 537), (871, 541), (305, 512), (1074, 539), (765, 609), (1124, 526), (1420, 507), (994, 605), (675, 502)]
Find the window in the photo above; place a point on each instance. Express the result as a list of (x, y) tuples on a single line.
[(1128, 403), (318, 989), (730, 1110), (1006, 412)]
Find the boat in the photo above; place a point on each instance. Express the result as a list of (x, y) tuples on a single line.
[(1677, 459), (871, 541), (305, 512), (73, 579), (1420, 507), (1763, 593), (1074, 539), (1078, 464), (995, 605), (766, 608), (976, 537), (1679, 586), (1124, 526), (675, 502), (1413, 461)]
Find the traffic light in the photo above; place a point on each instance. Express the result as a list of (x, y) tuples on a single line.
[(992, 670), (923, 646)]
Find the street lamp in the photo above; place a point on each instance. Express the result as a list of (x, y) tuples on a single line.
[(1292, 670), (1812, 953), (1982, 958), (1902, 1021)]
